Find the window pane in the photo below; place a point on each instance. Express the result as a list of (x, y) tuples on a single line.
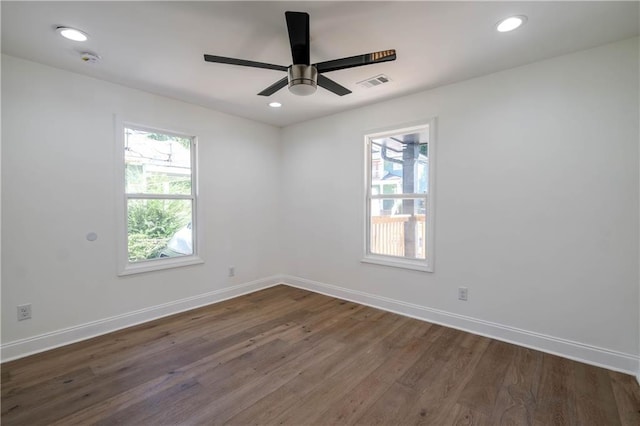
[(400, 163), (397, 228), (159, 228), (157, 163)]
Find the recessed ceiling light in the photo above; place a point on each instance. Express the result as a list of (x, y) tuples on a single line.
[(72, 34), (275, 104), (511, 23)]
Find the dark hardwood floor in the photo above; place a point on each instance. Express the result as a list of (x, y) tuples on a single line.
[(288, 356)]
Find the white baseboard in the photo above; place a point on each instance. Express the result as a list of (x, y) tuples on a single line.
[(612, 360), (24, 347)]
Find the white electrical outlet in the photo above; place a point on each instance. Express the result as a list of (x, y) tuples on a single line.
[(463, 293), (24, 312), (232, 271)]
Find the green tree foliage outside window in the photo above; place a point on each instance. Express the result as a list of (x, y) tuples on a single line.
[(151, 223)]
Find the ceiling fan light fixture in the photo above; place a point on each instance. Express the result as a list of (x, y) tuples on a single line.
[(303, 79), (511, 23), (72, 33), (275, 104)]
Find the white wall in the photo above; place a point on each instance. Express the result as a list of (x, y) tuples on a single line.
[(58, 177), (536, 205)]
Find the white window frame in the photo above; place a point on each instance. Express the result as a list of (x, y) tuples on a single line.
[(125, 267), (426, 265)]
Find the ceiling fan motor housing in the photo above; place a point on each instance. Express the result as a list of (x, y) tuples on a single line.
[(303, 79)]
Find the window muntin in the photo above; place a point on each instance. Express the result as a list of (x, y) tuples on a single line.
[(399, 226), (160, 199)]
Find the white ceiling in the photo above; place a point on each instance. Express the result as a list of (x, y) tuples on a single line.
[(158, 46)]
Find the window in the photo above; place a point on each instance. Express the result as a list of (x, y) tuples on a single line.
[(160, 202), (399, 197)]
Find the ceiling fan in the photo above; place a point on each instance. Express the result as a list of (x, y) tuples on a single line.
[(302, 76)]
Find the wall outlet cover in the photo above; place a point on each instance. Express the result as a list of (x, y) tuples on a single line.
[(24, 312)]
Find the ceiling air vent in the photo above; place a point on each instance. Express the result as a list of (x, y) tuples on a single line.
[(374, 81)]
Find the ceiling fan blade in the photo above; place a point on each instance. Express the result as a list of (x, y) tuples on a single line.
[(332, 86), (298, 26), (244, 63), (274, 87), (357, 61)]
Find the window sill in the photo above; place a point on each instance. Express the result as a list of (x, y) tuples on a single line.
[(159, 264), (398, 263)]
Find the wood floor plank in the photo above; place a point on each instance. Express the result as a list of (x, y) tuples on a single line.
[(121, 401), (481, 392), (595, 401), (239, 398), (154, 408), (335, 387), (465, 416), (238, 359), (92, 392), (291, 394), (30, 398), (429, 369), (403, 349), (288, 356), (360, 398), (439, 392), (556, 399), (439, 342), (291, 332), (296, 390), (627, 394), (387, 409), (516, 400)]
